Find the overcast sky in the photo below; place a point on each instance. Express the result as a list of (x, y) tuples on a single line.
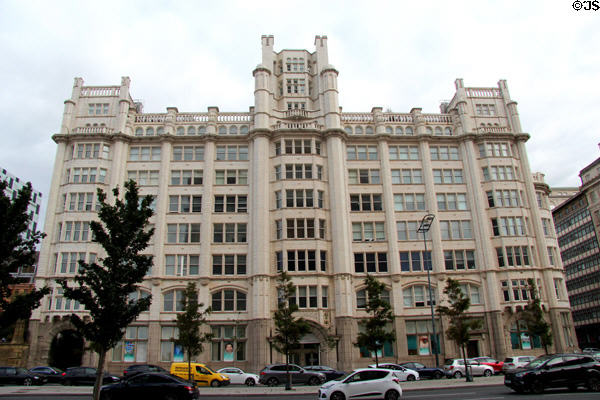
[(397, 55)]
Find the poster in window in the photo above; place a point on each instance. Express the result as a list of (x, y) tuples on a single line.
[(379, 353), (423, 345), (525, 341), (129, 355), (177, 353), (228, 353)]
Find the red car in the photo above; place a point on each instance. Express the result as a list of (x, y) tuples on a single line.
[(497, 365)]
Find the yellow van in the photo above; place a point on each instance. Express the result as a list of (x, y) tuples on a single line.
[(201, 374)]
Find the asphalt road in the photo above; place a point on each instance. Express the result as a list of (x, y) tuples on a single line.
[(463, 393)]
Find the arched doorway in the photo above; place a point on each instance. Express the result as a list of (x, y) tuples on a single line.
[(66, 349), (307, 352)]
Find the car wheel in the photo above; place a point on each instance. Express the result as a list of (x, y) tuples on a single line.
[(537, 387), (410, 378), (273, 382), (458, 375), (572, 388), (106, 396), (250, 382), (67, 382), (487, 373), (593, 384), (214, 383), (438, 375), (170, 397), (337, 396), (314, 381), (392, 395), (27, 382)]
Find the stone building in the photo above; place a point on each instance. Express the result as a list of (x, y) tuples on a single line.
[(297, 184)]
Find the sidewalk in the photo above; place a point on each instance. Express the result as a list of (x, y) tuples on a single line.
[(259, 390)]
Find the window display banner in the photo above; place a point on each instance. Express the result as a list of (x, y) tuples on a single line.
[(525, 341), (177, 353), (129, 352), (228, 353), (423, 345)]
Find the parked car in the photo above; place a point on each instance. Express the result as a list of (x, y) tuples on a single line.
[(497, 365), (516, 362), (150, 386), (52, 374), (330, 373), (404, 373), (86, 376), (591, 350), (455, 368), (275, 374), (202, 374), (135, 369), (19, 376), (239, 377), (424, 372), (557, 370), (365, 383)]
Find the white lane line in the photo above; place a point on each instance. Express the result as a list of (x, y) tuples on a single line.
[(442, 395)]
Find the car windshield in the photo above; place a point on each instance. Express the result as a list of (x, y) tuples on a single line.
[(206, 366), (538, 362)]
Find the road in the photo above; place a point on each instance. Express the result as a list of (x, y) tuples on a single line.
[(464, 393)]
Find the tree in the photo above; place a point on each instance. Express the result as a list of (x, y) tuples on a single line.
[(104, 287), (461, 324), (17, 250), (375, 335), (534, 317), (189, 323), (288, 329)]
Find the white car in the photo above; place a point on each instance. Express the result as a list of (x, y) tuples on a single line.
[(405, 374), (239, 377), (365, 383), (516, 362), (455, 368)]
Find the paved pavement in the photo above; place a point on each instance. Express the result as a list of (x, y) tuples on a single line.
[(259, 389)]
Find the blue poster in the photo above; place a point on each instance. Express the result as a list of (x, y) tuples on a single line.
[(129, 352), (177, 353)]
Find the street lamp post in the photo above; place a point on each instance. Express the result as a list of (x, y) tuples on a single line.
[(424, 228)]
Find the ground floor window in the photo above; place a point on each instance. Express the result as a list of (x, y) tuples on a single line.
[(387, 349), (420, 339), (229, 343), (169, 351), (134, 346), (520, 337)]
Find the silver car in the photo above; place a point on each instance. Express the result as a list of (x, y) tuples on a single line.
[(455, 368), (239, 377), (516, 362)]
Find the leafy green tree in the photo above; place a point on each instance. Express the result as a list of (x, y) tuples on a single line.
[(534, 317), (375, 335), (17, 250), (288, 329), (104, 287), (189, 323), (461, 325)]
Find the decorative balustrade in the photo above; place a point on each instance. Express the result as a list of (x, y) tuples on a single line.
[(296, 114), (234, 117), (357, 117), (483, 92), (93, 91), (297, 125), (493, 129), (438, 118), (151, 118), (93, 130), (538, 177), (193, 117), (404, 118)]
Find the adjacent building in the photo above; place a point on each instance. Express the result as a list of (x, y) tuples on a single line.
[(296, 184)]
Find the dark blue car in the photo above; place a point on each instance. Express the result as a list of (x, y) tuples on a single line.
[(424, 372)]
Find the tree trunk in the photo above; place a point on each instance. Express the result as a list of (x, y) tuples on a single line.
[(468, 376), (99, 374), (376, 359), (288, 385), (189, 366)]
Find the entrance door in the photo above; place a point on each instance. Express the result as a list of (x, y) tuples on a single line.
[(305, 354), (473, 348), (66, 349)]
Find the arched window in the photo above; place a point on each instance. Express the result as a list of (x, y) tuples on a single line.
[(348, 130), (233, 130), (139, 132), (138, 294), (399, 130), (180, 131), (160, 131), (438, 131), (201, 130), (417, 296), (228, 300), (448, 131), (429, 131), (361, 298), (389, 129), (244, 130), (191, 130), (472, 292), (409, 130), (149, 131), (369, 130), (173, 300), (222, 130), (358, 130)]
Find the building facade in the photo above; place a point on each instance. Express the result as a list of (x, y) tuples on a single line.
[(329, 196), (577, 224)]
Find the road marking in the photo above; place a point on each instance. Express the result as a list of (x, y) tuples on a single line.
[(442, 395)]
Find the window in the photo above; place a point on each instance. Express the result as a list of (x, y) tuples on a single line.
[(520, 338), (90, 151), (188, 153), (296, 86), (228, 300), (298, 146), (80, 202), (362, 297), (444, 153), (558, 288), (504, 198), (144, 153), (472, 292), (418, 296), (499, 173), (456, 230), (144, 178), (387, 350), (229, 264), (69, 262), (133, 347), (515, 290), (300, 198), (451, 201), (368, 231), (508, 226), (362, 153), (185, 204), (304, 228), (370, 262), (459, 259), (173, 300), (168, 349), (552, 255), (231, 203), (77, 231), (232, 153), (363, 176), (87, 175), (409, 202), (183, 233), (186, 177), (547, 226), (98, 109), (485, 109), (448, 176), (305, 297), (419, 337), (229, 233), (182, 265), (407, 230), (415, 261), (228, 342), (365, 202), (301, 260), (516, 256), (404, 152), (407, 176), (231, 177)]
